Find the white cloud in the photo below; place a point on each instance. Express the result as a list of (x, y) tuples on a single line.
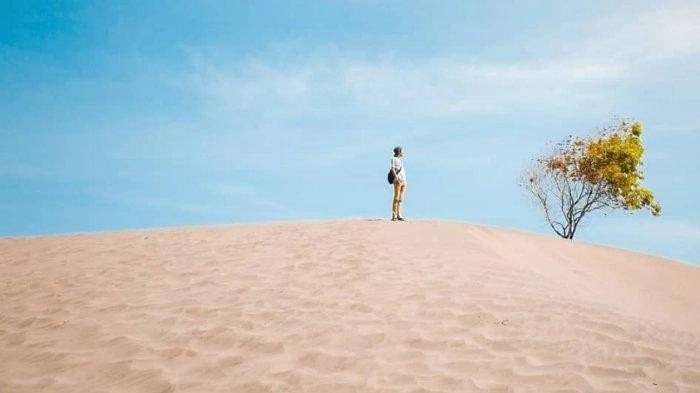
[(446, 86), (244, 86), (247, 195), (669, 32), (427, 88), (583, 78), (155, 202)]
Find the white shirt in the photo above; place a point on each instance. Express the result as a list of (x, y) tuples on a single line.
[(397, 164)]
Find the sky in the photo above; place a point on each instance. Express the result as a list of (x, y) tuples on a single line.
[(118, 115)]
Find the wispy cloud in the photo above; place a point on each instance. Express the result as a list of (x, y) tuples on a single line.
[(154, 202), (395, 86), (668, 32), (247, 195), (579, 77)]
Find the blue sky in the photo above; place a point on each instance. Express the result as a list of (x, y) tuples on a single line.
[(129, 114)]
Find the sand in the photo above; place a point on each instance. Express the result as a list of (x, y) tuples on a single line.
[(344, 306)]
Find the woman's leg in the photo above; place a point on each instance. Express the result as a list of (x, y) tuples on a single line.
[(402, 190), (397, 199)]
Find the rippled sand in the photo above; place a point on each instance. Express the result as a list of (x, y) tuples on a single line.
[(348, 306)]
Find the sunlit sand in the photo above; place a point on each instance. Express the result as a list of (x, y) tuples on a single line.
[(345, 306)]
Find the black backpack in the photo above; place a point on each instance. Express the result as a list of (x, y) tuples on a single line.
[(390, 176)]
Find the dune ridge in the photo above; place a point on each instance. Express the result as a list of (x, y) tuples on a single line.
[(343, 306)]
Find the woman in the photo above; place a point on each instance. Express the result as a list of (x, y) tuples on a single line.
[(399, 183)]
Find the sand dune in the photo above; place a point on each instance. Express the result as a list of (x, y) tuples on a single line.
[(351, 306)]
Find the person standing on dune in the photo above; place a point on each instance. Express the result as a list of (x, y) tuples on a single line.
[(399, 176)]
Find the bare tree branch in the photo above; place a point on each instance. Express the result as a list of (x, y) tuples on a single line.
[(582, 176)]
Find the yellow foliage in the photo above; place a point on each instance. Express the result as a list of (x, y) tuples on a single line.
[(613, 160)]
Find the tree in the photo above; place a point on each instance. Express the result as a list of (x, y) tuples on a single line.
[(581, 176)]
